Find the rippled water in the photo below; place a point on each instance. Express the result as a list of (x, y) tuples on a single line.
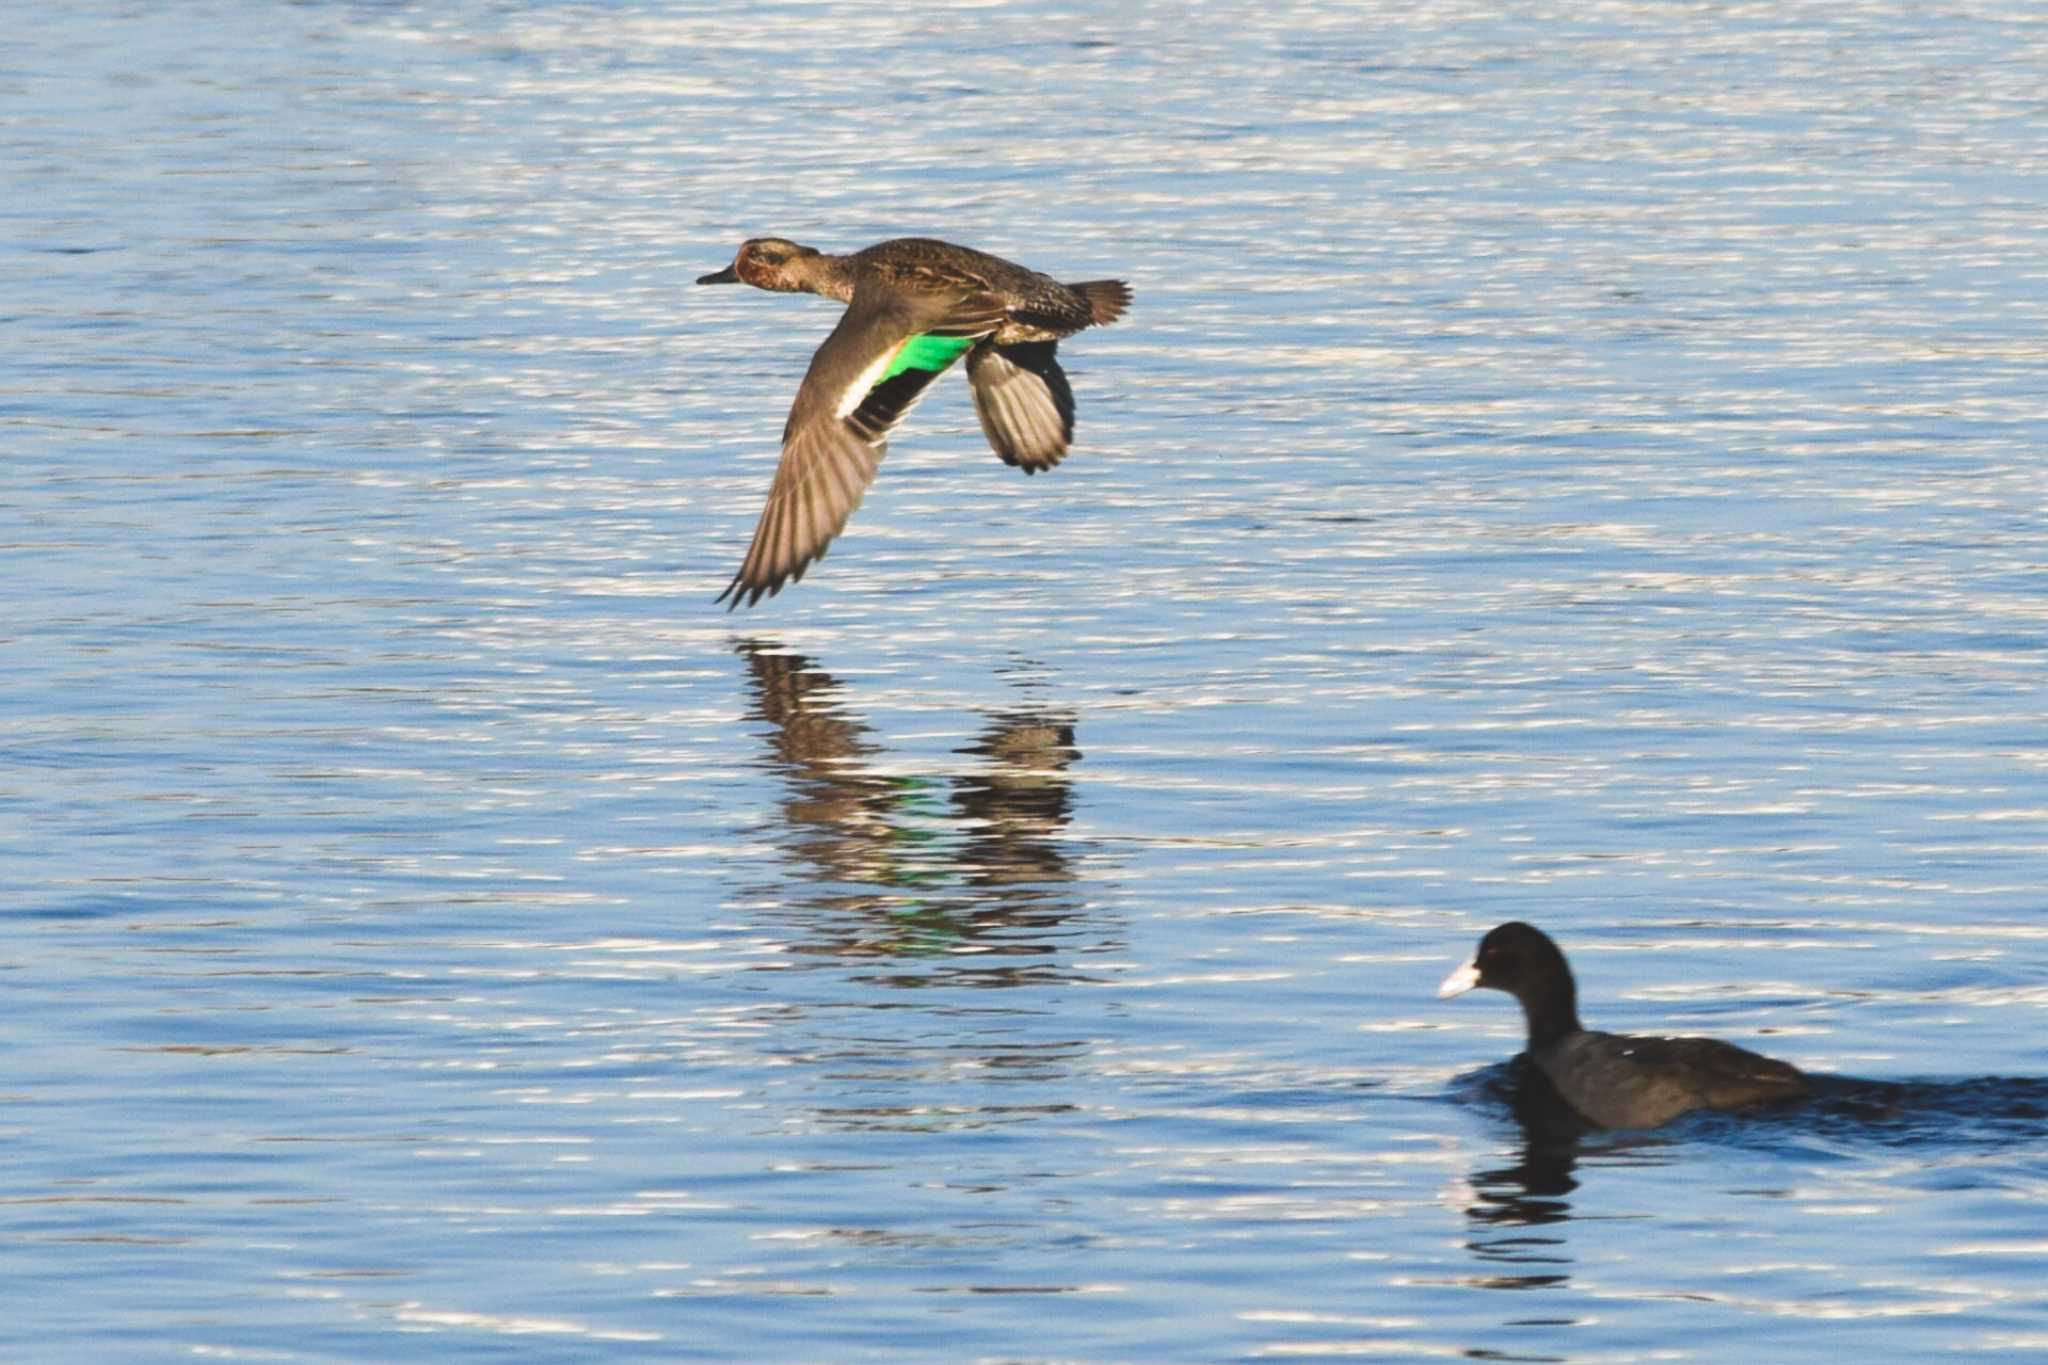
[(1571, 463)]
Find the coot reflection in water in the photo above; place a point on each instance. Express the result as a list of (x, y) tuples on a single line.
[(1520, 1202)]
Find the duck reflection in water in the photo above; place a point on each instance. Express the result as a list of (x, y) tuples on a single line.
[(968, 867)]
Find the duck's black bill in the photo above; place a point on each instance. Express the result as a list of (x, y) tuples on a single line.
[(725, 276)]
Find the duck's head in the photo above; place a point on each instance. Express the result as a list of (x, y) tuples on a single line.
[(767, 263)]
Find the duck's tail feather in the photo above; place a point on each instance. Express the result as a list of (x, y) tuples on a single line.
[(1107, 299)]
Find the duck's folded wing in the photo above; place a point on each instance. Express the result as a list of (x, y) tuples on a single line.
[(871, 371), (1024, 402)]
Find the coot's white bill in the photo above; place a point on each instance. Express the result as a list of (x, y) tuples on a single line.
[(1460, 981)]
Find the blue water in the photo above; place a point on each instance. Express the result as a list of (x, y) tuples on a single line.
[(1572, 464)]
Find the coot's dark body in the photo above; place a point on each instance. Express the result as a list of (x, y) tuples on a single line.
[(1614, 1080)]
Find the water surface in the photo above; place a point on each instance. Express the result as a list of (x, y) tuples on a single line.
[(1570, 464)]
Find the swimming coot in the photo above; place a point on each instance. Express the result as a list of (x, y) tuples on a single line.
[(1611, 1079)]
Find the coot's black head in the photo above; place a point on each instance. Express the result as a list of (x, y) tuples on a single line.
[(1521, 960)]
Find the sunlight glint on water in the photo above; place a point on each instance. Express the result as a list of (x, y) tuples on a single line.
[(1569, 464)]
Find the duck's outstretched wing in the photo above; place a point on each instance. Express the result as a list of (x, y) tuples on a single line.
[(871, 370), (1024, 402)]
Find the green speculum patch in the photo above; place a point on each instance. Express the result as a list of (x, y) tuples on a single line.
[(927, 351)]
